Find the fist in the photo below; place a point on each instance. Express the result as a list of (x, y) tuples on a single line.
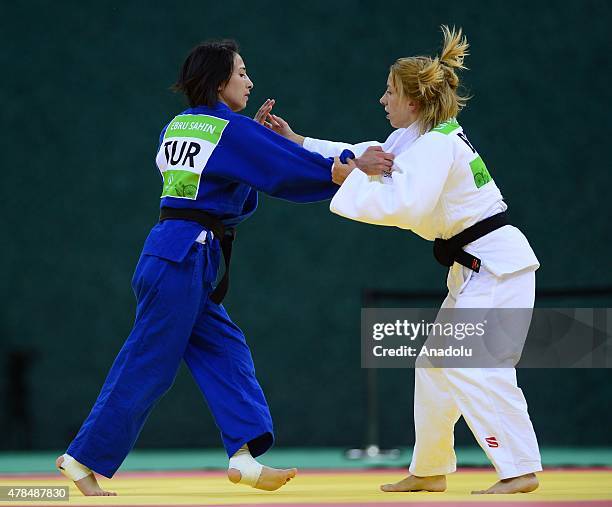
[(341, 171), (375, 161)]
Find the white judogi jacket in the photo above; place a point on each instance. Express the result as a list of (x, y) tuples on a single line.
[(439, 186)]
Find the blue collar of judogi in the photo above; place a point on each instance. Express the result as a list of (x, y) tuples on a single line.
[(219, 106)]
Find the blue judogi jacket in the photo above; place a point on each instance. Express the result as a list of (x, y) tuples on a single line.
[(215, 160)]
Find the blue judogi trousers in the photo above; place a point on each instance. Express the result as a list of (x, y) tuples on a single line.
[(175, 320)]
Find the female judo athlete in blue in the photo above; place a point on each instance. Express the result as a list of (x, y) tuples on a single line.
[(213, 162)]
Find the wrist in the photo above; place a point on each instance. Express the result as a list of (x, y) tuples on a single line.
[(296, 138), (340, 171)]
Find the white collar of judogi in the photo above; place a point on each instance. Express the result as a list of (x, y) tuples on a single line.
[(402, 137)]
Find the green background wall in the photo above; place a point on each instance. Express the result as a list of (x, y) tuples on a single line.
[(84, 94)]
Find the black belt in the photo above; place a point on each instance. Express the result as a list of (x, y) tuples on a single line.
[(226, 236), (447, 251)]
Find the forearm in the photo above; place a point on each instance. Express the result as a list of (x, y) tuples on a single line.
[(275, 165), (408, 197), (363, 200), (334, 149)]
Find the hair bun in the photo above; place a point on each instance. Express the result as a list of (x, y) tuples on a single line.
[(430, 78)]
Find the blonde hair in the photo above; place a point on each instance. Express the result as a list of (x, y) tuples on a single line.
[(433, 82)]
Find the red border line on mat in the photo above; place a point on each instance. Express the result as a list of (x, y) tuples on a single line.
[(527, 503), (303, 471)]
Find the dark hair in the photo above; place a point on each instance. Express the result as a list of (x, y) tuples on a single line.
[(208, 66)]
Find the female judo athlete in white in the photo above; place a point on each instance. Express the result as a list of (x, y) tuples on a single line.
[(439, 187)]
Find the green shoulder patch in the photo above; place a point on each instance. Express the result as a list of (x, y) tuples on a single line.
[(207, 128), (446, 127)]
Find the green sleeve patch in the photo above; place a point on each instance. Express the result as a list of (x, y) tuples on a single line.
[(446, 127), (480, 172)]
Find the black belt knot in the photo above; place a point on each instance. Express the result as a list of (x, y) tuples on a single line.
[(226, 236), (447, 251)]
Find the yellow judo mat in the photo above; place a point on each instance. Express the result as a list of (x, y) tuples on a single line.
[(570, 488)]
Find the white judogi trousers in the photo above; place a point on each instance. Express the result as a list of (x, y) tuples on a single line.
[(488, 398)]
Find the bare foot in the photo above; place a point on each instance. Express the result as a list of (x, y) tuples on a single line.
[(436, 483), (521, 484), (87, 485), (270, 479)]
